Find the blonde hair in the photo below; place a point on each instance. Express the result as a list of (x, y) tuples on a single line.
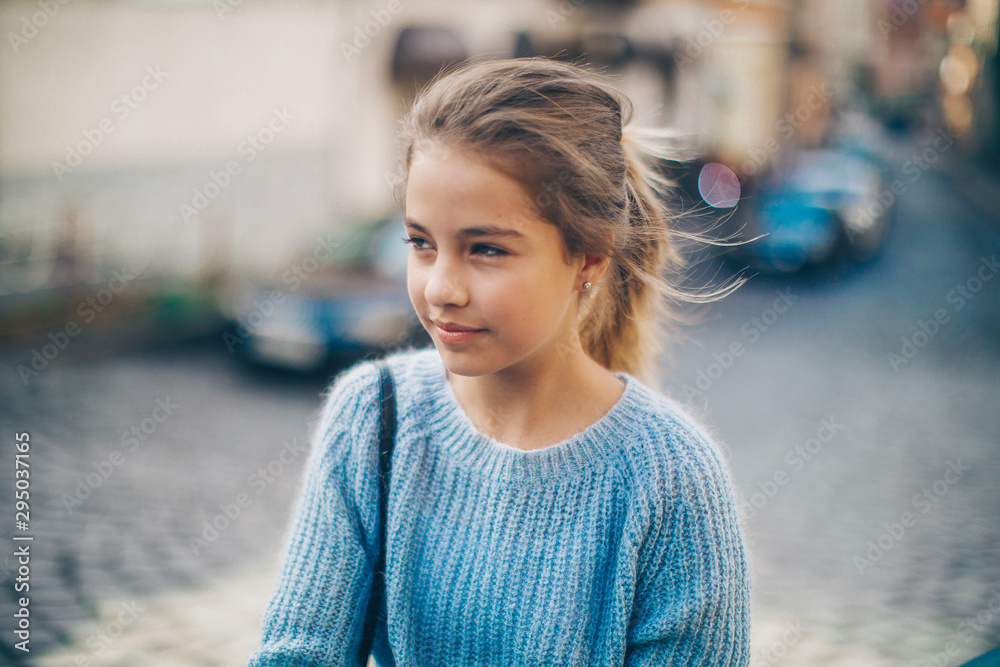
[(560, 131)]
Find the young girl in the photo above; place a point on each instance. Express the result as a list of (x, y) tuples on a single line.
[(546, 506)]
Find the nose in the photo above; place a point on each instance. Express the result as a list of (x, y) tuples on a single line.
[(446, 285)]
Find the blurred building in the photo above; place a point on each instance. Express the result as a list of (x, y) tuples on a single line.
[(175, 137), (209, 138)]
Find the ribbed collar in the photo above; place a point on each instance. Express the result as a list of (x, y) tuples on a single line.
[(588, 450)]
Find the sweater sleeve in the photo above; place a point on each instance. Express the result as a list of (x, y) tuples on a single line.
[(316, 612), (692, 599)]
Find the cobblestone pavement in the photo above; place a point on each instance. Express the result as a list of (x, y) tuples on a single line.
[(110, 526), (218, 625), (866, 549)]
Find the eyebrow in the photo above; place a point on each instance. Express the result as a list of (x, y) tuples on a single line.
[(473, 232)]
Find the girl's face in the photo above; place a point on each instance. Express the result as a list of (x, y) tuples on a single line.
[(486, 275)]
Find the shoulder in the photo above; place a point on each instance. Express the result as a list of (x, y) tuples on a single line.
[(693, 588), (350, 401), (675, 458), (687, 503), (346, 401)]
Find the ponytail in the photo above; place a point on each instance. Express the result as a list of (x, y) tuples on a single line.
[(622, 320), (623, 324)]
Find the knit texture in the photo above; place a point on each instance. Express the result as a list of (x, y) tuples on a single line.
[(619, 546)]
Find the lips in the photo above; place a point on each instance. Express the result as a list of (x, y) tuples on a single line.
[(452, 333), (451, 326)]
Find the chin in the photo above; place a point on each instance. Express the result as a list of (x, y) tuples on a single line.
[(467, 363), (462, 363)]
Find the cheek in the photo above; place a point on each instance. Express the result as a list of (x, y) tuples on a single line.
[(518, 304)]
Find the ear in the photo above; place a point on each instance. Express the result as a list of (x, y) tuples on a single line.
[(593, 268)]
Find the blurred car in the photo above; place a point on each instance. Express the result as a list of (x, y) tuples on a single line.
[(352, 304), (817, 205)]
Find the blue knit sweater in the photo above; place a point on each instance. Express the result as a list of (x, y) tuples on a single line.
[(619, 546)]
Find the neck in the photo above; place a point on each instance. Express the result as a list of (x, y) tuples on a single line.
[(539, 404)]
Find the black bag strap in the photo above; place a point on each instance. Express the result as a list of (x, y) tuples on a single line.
[(387, 438)]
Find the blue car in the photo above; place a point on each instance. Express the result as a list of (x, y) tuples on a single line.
[(818, 205), (350, 305)]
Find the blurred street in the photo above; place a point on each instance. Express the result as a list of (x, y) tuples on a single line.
[(200, 221), (836, 445), (869, 465)]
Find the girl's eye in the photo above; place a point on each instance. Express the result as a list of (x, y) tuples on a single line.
[(478, 249), (415, 241), (488, 250)]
